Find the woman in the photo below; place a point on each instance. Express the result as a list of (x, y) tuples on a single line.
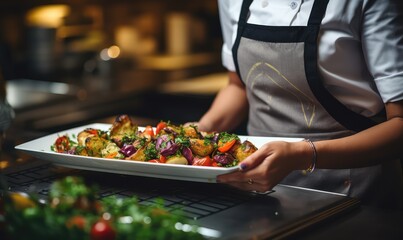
[(327, 71)]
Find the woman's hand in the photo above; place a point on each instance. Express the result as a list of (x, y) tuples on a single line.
[(265, 168)]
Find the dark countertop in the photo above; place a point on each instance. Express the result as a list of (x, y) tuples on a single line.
[(362, 223)]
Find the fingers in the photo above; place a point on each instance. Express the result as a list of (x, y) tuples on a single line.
[(257, 158), (252, 161), (256, 172), (262, 170), (250, 185), (247, 181)]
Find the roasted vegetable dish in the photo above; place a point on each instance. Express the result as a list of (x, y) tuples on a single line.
[(166, 143), (74, 211)]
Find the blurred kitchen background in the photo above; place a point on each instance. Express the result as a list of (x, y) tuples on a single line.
[(68, 63)]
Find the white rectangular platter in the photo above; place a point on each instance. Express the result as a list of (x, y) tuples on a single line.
[(41, 148)]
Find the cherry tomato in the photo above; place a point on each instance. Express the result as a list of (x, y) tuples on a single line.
[(149, 131), (154, 161), (62, 144), (162, 159), (102, 230), (160, 126), (227, 146), (205, 161)]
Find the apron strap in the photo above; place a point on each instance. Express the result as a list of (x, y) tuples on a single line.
[(243, 16), (346, 117), (318, 12)]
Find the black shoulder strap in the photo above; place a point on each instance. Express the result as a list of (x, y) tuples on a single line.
[(243, 16), (346, 117), (318, 12)]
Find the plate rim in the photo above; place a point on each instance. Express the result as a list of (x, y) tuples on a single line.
[(203, 173)]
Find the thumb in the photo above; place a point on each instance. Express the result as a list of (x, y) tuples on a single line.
[(251, 161)]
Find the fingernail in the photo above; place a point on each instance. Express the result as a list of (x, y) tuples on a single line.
[(242, 166)]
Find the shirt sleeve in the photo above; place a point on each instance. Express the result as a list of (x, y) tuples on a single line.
[(382, 39), (228, 11)]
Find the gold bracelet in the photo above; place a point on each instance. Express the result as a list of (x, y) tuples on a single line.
[(314, 157)]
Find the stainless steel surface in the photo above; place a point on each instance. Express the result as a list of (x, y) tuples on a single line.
[(23, 93)]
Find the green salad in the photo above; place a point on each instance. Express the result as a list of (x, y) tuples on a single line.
[(73, 211)]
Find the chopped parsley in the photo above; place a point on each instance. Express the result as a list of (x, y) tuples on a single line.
[(226, 137), (150, 151), (181, 140), (207, 142)]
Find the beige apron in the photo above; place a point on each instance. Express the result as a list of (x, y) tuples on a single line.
[(278, 66)]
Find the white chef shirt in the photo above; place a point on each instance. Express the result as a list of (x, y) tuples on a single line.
[(360, 45)]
